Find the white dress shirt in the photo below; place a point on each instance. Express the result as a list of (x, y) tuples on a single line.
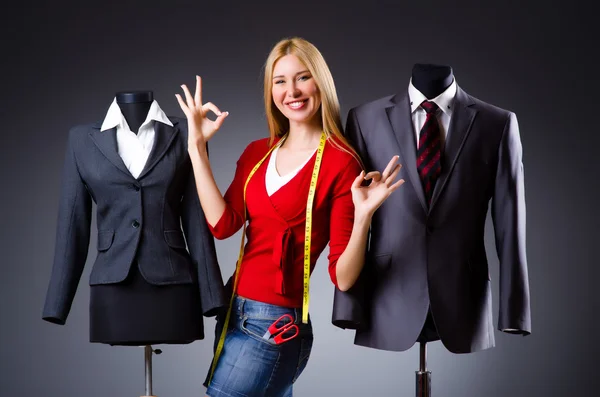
[(273, 180), (445, 102), (133, 148)]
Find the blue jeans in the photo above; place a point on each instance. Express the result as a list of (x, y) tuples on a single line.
[(250, 366)]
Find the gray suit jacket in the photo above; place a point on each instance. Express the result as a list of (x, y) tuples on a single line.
[(139, 219), (420, 257)]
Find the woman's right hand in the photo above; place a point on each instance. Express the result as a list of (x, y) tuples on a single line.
[(200, 127)]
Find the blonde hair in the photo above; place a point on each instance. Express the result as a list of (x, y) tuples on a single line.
[(310, 56)]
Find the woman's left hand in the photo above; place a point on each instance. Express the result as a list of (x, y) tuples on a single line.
[(368, 198)]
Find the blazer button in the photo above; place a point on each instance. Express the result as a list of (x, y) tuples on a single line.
[(135, 224), (136, 188)]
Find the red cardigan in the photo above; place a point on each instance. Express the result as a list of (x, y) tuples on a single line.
[(272, 267)]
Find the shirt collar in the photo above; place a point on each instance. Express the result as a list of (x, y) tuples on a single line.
[(115, 118), (445, 100)]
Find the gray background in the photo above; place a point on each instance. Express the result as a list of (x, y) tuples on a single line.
[(64, 62)]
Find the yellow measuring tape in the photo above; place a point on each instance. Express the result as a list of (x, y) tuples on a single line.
[(307, 235)]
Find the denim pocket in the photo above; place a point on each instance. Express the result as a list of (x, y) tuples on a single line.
[(256, 328), (305, 348)]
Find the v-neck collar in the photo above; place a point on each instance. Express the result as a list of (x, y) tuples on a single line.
[(289, 201)]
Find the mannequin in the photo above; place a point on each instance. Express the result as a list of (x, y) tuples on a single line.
[(144, 267), (426, 266), (135, 106), (155, 273), (431, 79), (146, 309)]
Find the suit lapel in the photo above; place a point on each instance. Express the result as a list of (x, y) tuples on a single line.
[(400, 119), (460, 126), (106, 141), (163, 136)]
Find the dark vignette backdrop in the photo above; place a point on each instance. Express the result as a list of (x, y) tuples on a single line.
[(62, 64)]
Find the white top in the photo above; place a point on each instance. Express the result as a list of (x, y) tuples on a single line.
[(445, 102), (133, 148), (273, 180)]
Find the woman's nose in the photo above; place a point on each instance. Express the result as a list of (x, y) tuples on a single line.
[(293, 91)]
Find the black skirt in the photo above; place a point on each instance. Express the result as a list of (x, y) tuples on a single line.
[(137, 313)]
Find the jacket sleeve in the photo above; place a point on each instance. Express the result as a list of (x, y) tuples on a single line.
[(508, 215), (72, 239), (201, 246), (349, 306)]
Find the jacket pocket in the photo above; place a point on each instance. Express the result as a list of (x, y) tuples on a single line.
[(174, 239), (381, 262), (105, 239)]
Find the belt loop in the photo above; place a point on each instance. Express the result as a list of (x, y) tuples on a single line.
[(241, 305)]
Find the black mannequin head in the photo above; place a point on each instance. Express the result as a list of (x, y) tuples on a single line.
[(135, 106), (431, 79)]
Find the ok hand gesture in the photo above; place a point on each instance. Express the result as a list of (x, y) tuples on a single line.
[(368, 198), (200, 127)]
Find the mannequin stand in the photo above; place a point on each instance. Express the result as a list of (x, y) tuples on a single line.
[(148, 364), (423, 376)]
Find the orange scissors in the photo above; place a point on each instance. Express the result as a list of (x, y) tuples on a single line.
[(279, 333)]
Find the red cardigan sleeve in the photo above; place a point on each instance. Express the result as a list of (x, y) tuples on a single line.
[(232, 219), (342, 214)]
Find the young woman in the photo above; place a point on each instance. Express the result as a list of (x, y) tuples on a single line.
[(304, 170)]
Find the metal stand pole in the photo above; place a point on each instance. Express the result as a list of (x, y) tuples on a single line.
[(148, 364), (423, 376)]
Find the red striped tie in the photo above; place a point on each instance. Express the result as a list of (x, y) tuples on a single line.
[(430, 150)]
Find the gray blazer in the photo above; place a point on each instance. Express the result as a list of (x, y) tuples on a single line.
[(139, 219), (420, 257)]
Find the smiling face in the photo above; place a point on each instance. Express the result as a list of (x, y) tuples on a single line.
[(294, 91)]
